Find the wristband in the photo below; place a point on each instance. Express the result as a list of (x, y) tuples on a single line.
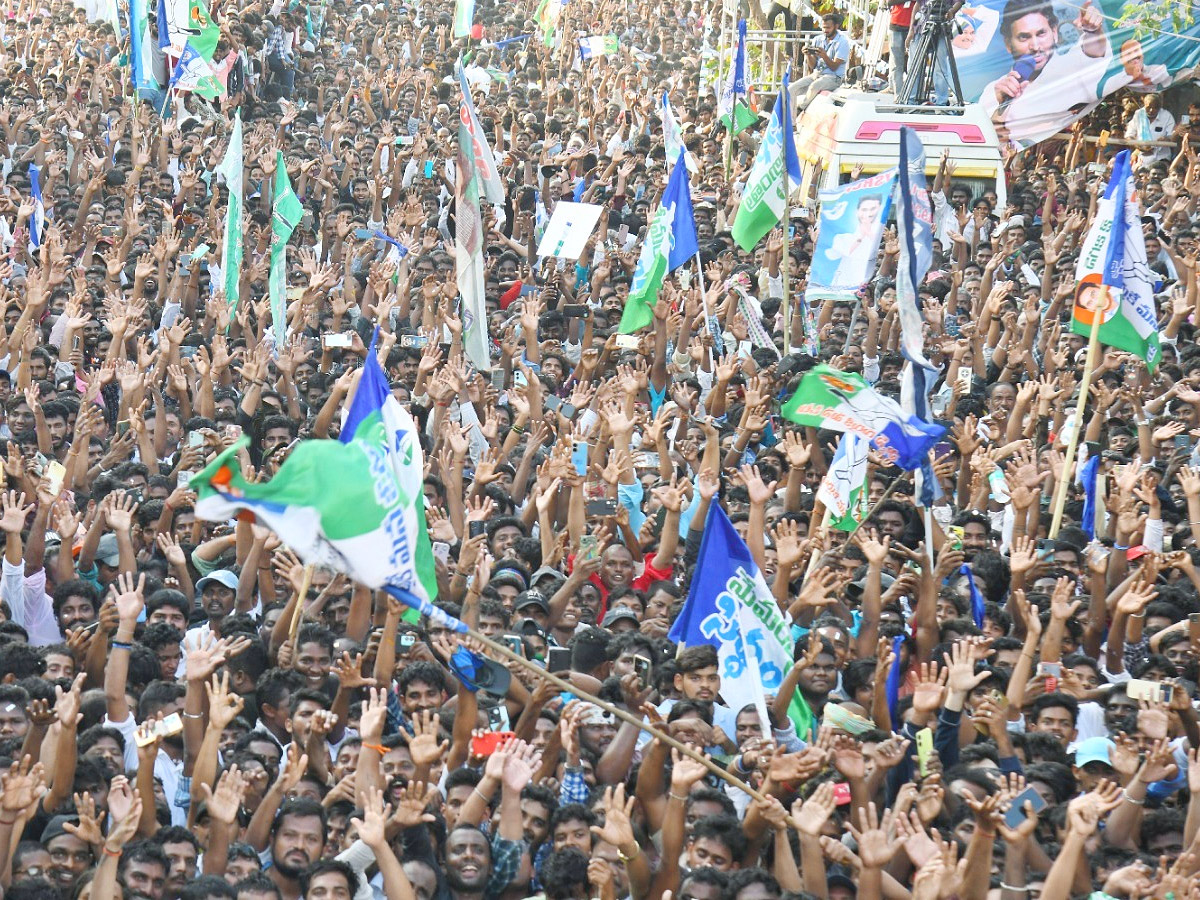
[(115, 854), (121, 645), (1133, 800), (675, 796), (378, 748), (188, 715)]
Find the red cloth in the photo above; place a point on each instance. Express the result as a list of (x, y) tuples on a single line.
[(510, 295)]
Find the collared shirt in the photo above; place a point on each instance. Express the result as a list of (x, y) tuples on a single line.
[(836, 47), (506, 860)]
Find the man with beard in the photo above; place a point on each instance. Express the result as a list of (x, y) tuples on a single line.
[(297, 841), (70, 855), (142, 872)]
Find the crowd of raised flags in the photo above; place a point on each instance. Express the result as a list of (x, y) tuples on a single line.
[(730, 600)]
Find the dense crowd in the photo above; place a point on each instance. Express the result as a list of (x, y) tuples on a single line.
[(178, 723)]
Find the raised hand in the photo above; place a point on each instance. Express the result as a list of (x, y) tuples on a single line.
[(225, 802)]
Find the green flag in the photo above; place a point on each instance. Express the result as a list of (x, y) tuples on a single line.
[(204, 31), (231, 258), (285, 216), (741, 117)]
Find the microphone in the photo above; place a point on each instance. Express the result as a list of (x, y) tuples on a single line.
[(1023, 67)]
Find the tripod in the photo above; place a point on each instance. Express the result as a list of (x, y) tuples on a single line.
[(922, 61)]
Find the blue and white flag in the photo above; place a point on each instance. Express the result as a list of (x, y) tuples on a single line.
[(673, 137), (914, 226), (852, 219), (892, 687), (141, 48), (731, 102), (37, 222), (397, 251), (479, 151), (730, 607), (977, 608)]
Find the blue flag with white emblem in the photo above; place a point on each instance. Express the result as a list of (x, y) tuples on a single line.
[(730, 607), (670, 243), (37, 222)]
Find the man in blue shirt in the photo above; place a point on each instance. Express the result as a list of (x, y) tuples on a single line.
[(827, 58)]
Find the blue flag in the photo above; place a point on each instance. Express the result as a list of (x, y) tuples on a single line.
[(976, 597), (37, 222), (784, 111), (1087, 476), (893, 680), (914, 225), (1118, 188), (730, 607), (684, 244)]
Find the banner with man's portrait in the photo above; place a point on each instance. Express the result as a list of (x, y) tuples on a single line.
[(1038, 65)]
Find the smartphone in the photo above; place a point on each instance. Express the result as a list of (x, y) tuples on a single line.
[(429, 168), (1183, 442), (55, 473), (575, 311), (942, 449), (123, 426), (604, 507), (405, 140), (1045, 549), (488, 742), (924, 750), (195, 439), (1016, 812), (108, 230), (200, 252), (628, 342), (552, 402), (1194, 626), (184, 478), (641, 668), (172, 724), (966, 378), (514, 643), (519, 379), (408, 640), (417, 341), (648, 460), (588, 546), (558, 659), (497, 719), (333, 341), (1141, 689), (498, 379), (841, 793), (476, 528), (441, 550), (955, 533), (364, 234), (579, 459)]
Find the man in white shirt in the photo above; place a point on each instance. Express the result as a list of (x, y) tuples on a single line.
[(1151, 123)]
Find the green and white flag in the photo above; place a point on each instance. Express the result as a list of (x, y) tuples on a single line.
[(765, 198), (232, 168), (464, 15), (732, 108), (595, 45), (843, 489), (372, 528), (670, 243), (673, 138), (285, 216), (1114, 275)]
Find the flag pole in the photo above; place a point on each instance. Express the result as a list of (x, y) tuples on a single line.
[(1089, 366), (878, 503), (783, 263), (305, 581), (506, 655)]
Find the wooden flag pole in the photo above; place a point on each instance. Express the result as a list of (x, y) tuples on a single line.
[(301, 597), (1089, 366), (503, 653)]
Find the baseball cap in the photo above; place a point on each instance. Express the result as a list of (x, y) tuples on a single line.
[(107, 551), (531, 598), (837, 875), (218, 576), (1093, 749), (854, 590), (618, 613)]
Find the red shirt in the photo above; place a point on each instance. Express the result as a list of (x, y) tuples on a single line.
[(641, 583), (901, 14)]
